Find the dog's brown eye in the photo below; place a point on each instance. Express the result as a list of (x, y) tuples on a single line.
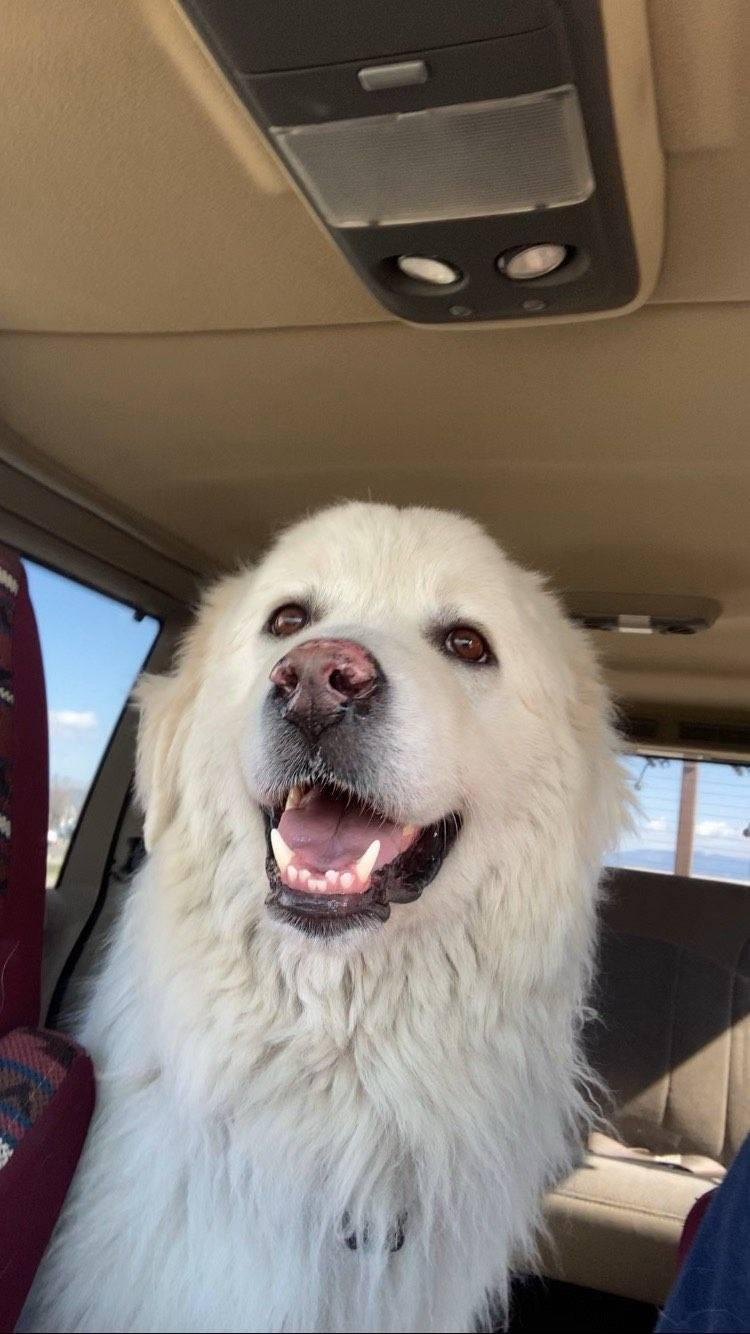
[(466, 643), (288, 620)]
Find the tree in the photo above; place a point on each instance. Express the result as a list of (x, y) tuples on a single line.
[(65, 801)]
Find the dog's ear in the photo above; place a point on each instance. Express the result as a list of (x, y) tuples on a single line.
[(166, 704), (161, 701)]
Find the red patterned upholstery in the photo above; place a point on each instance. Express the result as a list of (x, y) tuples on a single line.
[(46, 1102), (46, 1080), (23, 799)]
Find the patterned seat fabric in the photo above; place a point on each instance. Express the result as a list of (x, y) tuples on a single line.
[(33, 1065), (46, 1080)]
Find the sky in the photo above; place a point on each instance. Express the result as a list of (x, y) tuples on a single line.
[(92, 649)]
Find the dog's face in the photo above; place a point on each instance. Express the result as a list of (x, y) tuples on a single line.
[(382, 713)]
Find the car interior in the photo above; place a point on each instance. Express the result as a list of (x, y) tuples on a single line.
[(259, 256)]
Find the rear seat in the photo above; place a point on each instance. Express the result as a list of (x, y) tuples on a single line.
[(673, 1044)]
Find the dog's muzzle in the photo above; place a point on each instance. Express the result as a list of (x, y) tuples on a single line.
[(336, 855)]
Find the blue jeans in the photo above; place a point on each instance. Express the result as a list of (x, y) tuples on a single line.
[(712, 1292)]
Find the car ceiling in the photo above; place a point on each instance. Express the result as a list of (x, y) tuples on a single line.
[(182, 346)]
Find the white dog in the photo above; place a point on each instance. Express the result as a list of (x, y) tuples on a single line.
[(337, 1032)]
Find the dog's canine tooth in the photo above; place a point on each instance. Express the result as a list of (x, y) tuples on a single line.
[(294, 799), (281, 852), (367, 861)]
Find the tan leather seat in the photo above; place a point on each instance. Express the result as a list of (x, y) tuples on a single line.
[(673, 1044)]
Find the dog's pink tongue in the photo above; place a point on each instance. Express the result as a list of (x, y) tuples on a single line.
[(326, 834)]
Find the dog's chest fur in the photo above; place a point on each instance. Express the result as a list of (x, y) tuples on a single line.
[(241, 1145)]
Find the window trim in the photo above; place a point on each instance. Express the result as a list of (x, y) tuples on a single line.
[(65, 536), (73, 900)]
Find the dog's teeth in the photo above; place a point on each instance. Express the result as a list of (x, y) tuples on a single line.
[(332, 877), (347, 880), (408, 832), (303, 875), (291, 874), (367, 861), (281, 852), (294, 799), (316, 883)]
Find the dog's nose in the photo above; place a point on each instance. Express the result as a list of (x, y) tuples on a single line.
[(317, 682)]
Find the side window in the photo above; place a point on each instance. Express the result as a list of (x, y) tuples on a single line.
[(692, 818), (92, 648)]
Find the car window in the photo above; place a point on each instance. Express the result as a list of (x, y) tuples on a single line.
[(692, 818), (92, 649)]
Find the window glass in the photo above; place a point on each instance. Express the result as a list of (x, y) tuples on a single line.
[(693, 818), (92, 649)]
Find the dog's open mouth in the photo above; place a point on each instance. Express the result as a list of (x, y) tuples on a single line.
[(335, 862)]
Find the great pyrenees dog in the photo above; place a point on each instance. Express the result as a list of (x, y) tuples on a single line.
[(337, 1032)]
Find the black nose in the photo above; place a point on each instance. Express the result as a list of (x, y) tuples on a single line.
[(319, 681)]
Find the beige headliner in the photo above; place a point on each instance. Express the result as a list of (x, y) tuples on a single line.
[(139, 205)]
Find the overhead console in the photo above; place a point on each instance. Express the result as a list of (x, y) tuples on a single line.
[(487, 162)]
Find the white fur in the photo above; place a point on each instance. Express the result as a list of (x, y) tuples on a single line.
[(256, 1085)]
